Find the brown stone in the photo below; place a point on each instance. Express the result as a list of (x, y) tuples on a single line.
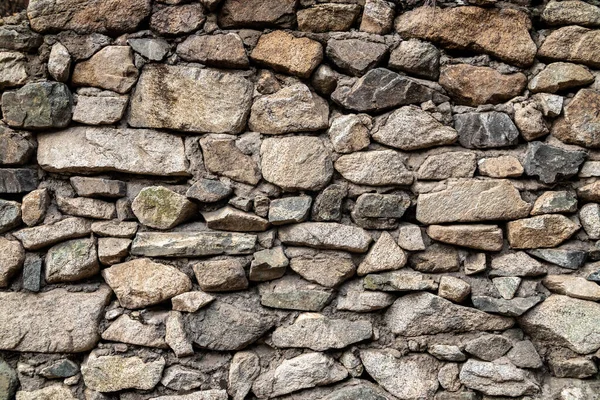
[(548, 230), (223, 157), (572, 43), (560, 76), (257, 14), (481, 237), (13, 256), (177, 20), (571, 12), (328, 17), (221, 51), (580, 123), (500, 167), (111, 68), (221, 275), (232, 219)]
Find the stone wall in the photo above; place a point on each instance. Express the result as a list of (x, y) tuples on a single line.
[(301, 200)]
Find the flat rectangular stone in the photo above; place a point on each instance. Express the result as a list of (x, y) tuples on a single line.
[(90, 149), (18, 180), (47, 235), (57, 321), (192, 244)]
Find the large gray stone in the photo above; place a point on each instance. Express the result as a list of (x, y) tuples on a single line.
[(72, 261), (223, 157), (355, 56), (551, 163), (580, 124), (572, 43), (375, 168), (91, 149), (415, 57), (45, 235), (178, 19), (192, 244), (294, 293), (486, 130), (165, 95), (353, 297), (257, 14), (548, 230), (497, 379), (18, 180), (161, 208), (323, 235), (56, 321), (132, 331)]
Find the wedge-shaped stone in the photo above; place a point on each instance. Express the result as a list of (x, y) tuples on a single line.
[(161, 208), (46, 235), (496, 379), (385, 255), (573, 286), (294, 293), (142, 282), (190, 99), (548, 230), (11, 261), (471, 200), (502, 33), (426, 314), (580, 123), (401, 281), (56, 321), (111, 68), (222, 156), (132, 331), (326, 235), (90, 149), (192, 244), (224, 327), (320, 333), (354, 297), (327, 268), (232, 219), (480, 237), (516, 264), (18, 147), (511, 308), (572, 43), (376, 168)]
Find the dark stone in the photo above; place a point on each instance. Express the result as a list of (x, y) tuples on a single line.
[(374, 205), (511, 308), (18, 180), (208, 191), (328, 204), (38, 106), (381, 89), (60, 369), (257, 14), (550, 163), (594, 276), (355, 56), (19, 38), (8, 381), (82, 47), (486, 130), (571, 259), (32, 272)]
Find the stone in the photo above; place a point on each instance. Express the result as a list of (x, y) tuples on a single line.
[(320, 333), (507, 286), (373, 205), (510, 308), (132, 331), (410, 128), (524, 355), (83, 46), (375, 168), (98, 187), (353, 297), (589, 192), (39, 105), (11, 262), (222, 100), (111, 68), (573, 44), (220, 51), (455, 164), (69, 319), (53, 392), (377, 17), (136, 151), (142, 282), (410, 237), (471, 85), (590, 169), (516, 264), (72, 261), (542, 231), (572, 286), (565, 321), (86, 207), (13, 70), (84, 16), (426, 314), (296, 163), (176, 336), (453, 289), (285, 53), (416, 57), (500, 167), (328, 17), (328, 203), (293, 293), (550, 104), (571, 259), (580, 125), (380, 89), (327, 268), (223, 157), (560, 76), (289, 210), (59, 63), (46, 235), (113, 373), (530, 121), (486, 130), (292, 109), (323, 235), (400, 281), (475, 263), (224, 327), (232, 219), (385, 255), (436, 258), (257, 14), (577, 367), (571, 13), (161, 208), (448, 377), (243, 371), (496, 379), (152, 49), (480, 237), (113, 250), (410, 377), (60, 369), (181, 378), (10, 215), (555, 202), (446, 352), (19, 37), (354, 56), (301, 372), (191, 301), (115, 228), (589, 216), (551, 163), (18, 180), (503, 34), (101, 108), (268, 264), (470, 200), (350, 133), (192, 244), (488, 347), (208, 191), (18, 148), (178, 20), (212, 394), (221, 275)]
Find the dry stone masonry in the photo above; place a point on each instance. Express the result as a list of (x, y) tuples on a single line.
[(300, 200)]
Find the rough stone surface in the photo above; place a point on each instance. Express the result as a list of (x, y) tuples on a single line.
[(541, 231), (375, 168), (496, 379), (571, 43), (378, 16), (100, 108), (222, 51), (551, 163), (47, 235), (257, 13), (223, 157), (480, 237), (177, 20), (327, 268), (516, 264), (192, 244), (161, 208), (12, 69), (111, 68), (114, 373), (416, 57), (580, 125), (221, 275), (38, 106), (455, 164), (350, 133), (323, 235), (384, 255), (294, 293), (13, 257), (560, 76), (71, 261), (328, 17), (486, 130), (355, 56)]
